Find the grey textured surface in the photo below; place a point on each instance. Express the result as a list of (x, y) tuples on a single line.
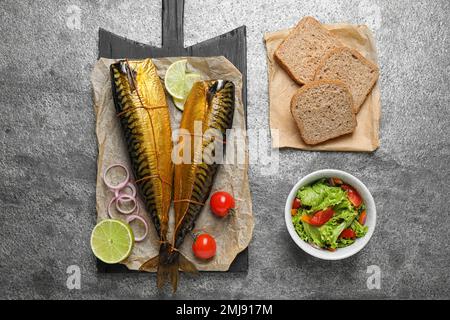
[(48, 152)]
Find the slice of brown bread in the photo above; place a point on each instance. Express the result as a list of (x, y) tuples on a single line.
[(323, 110), (349, 66), (300, 53)]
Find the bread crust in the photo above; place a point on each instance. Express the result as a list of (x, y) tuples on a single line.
[(286, 69), (308, 86), (360, 57), (282, 45)]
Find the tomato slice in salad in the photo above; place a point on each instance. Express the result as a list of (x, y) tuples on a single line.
[(353, 195), (296, 204), (319, 218), (348, 234)]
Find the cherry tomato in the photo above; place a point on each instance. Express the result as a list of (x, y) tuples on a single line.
[(362, 218), (319, 218), (296, 204), (353, 195), (348, 234), (222, 203), (204, 246)]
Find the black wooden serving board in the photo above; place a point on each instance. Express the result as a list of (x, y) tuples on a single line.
[(232, 45)]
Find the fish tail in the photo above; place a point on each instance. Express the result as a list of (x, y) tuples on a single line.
[(161, 263), (168, 263), (179, 262)]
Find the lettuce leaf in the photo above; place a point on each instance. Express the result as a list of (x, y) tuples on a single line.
[(309, 197), (330, 234), (320, 196), (314, 234), (342, 243), (344, 212), (359, 229), (298, 225)]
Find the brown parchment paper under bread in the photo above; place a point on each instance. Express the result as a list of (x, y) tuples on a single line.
[(232, 234), (282, 88)]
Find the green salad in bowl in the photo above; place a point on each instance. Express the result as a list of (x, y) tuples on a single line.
[(329, 214)]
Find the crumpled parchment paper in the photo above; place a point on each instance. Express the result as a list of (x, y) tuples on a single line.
[(282, 88), (232, 234)]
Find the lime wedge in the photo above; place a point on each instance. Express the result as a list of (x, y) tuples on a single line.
[(175, 79), (112, 241)]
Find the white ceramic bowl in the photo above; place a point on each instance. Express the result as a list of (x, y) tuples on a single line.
[(341, 253)]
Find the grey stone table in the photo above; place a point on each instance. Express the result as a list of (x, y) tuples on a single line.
[(48, 151)]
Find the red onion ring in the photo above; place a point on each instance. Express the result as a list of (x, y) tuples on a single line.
[(108, 210), (120, 185), (125, 212), (126, 198), (136, 217), (117, 192)]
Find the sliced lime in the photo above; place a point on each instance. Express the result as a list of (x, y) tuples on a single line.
[(175, 79), (112, 241), (190, 79)]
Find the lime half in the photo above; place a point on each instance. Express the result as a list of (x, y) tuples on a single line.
[(175, 79), (190, 79), (112, 241)]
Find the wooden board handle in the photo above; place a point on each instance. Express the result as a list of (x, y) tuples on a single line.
[(172, 23)]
